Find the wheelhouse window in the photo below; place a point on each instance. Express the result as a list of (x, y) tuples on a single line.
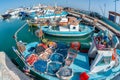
[(104, 61)]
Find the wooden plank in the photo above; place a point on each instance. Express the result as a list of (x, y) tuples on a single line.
[(90, 19)]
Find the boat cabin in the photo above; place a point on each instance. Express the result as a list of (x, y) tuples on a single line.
[(69, 24), (69, 28), (103, 55)]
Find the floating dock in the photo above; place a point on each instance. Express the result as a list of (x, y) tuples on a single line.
[(8, 71), (97, 23)]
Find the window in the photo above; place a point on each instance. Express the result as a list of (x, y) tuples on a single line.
[(104, 61)]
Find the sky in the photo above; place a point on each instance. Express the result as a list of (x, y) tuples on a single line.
[(100, 6)]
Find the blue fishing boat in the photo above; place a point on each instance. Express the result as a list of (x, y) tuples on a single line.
[(24, 15), (85, 30), (68, 27), (59, 61)]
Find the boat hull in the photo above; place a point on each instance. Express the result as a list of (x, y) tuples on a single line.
[(70, 34), (103, 75), (33, 24)]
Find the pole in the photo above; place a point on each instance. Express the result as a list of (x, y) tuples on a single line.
[(104, 9), (89, 5), (115, 6), (115, 9)]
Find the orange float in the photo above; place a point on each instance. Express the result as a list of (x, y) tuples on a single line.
[(32, 59), (114, 55), (75, 45)]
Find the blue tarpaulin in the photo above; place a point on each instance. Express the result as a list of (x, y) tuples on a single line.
[(40, 65), (53, 67)]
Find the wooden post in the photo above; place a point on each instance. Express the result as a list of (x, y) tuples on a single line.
[(83, 16), (95, 21)]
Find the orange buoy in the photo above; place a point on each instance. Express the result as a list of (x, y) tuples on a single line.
[(114, 55), (75, 45)]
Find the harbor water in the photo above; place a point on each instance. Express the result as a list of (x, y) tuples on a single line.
[(7, 30), (27, 34)]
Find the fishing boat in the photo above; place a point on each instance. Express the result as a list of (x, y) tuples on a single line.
[(48, 12), (6, 16), (48, 16), (60, 61), (13, 12), (24, 15), (37, 22), (68, 27)]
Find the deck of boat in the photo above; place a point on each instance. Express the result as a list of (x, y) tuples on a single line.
[(81, 63)]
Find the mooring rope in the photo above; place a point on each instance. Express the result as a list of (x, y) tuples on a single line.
[(15, 35)]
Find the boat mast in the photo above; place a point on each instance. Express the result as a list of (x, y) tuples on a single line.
[(55, 4)]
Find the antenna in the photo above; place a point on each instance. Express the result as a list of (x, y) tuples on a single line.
[(89, 6), (103, 10), (115, 4), (55, 4)]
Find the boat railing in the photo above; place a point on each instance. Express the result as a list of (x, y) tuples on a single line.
[(15, 35), (22, 58), (18, 53)]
